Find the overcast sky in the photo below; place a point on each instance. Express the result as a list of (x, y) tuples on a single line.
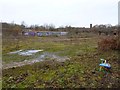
[(78, 13)]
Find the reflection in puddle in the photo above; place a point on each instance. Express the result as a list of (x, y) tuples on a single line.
[(15, 52), (43, 57), (26, 52)]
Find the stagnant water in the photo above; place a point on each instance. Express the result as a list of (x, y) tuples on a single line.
[(44, 56), (25, 52)]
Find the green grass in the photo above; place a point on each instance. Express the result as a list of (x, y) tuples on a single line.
[(74, 73), (26, 45), (82, 70), (17, 58), (63, 48)]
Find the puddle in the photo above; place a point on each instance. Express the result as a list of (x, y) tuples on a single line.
[(52, 56), (25, 52), (15, 52), (43, 57)]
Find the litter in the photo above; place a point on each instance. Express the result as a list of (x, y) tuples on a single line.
[(104, 65)]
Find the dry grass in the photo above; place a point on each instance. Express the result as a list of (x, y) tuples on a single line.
[(109, 43)]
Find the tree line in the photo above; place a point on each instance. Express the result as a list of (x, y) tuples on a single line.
[(15, 29)]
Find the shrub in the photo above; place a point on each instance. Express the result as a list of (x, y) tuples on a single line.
[(108, 43)]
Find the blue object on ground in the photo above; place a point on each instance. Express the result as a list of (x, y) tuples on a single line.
[(106, 65)]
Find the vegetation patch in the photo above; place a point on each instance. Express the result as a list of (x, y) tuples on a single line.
[(81, 71), (109, 43)]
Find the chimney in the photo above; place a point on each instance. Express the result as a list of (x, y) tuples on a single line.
[(90, 26)]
